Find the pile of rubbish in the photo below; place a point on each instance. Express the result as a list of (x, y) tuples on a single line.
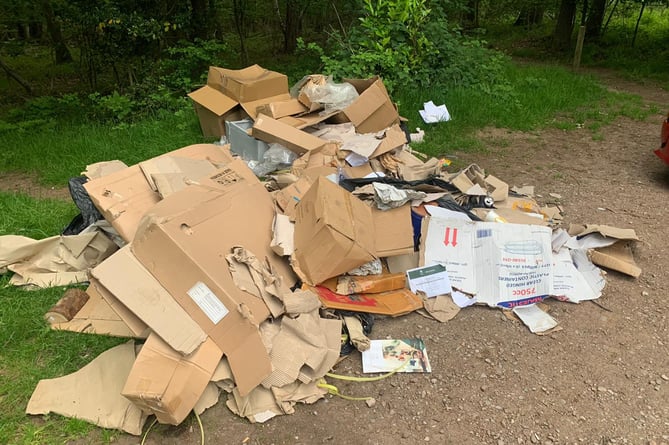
[(251, 266)]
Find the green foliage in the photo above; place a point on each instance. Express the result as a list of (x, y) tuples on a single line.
[(407, 42)]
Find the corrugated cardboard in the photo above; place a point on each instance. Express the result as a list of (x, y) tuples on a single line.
[(504, 265), (394, 138), (307, 120), (248, 84), (279, 109), (394, 303), (168, 384), (213, 108), (252, 107), (127, 280), (124, 196), (93, 393), (97, 316), (183, 241), (616, 257), (287, 198), (374, 110), (336, 232), (349, 284), (271, 130)]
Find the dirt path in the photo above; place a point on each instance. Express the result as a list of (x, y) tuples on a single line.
[(603, 379)]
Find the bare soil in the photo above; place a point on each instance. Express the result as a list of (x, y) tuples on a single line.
[(602, 379)]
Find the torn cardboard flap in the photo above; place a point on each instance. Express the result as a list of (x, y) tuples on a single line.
[(93, 393), (282, 108), (168, 384), (288, 197), (617, 257), (104, 168), (283, 236), (393, 139)]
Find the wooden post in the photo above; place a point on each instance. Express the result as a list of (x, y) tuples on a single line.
[(579, 47)]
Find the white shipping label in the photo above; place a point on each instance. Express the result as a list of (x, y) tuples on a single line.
[(207, 301)]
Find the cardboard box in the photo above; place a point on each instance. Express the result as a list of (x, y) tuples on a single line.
[(248, 84), (393, 139), (213, 108), (168, 384), (336, 232), (183, 242), (125, 195), (374, 110), (271, 130)]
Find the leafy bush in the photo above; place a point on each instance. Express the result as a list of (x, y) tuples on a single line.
[(407, 42)]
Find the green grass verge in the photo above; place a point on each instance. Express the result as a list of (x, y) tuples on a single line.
[(29, 350), (57, 151), (535, 96)]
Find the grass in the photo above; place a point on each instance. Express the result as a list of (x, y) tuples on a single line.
[(29, 350), (61, 150), (536, 96)]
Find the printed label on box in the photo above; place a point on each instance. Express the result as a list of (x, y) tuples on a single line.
[(207, 301)]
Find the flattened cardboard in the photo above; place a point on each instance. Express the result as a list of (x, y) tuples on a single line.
[(271, 130), (188, 168), (183, 242), (374, 110), (125, 278), (93, 393), (124, 196), (168, 384), (307, 120), (248, 84), (98, 317), (504, 265), (252, 107), (393, 303)]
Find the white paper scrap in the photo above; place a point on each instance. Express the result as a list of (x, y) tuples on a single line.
[(432, 280), (534, 318), (432, 113), (462, 300)]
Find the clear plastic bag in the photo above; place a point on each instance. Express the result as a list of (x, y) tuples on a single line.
[(277, 157)]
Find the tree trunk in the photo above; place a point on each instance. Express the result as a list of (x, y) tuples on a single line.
[(53, 26), (593, 24), (472, 14), (565, 25), (199, 19), (239, 11), (530, 16), (638, 20)]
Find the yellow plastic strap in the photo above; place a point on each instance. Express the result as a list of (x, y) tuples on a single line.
[(335, 392), (367, 379)]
